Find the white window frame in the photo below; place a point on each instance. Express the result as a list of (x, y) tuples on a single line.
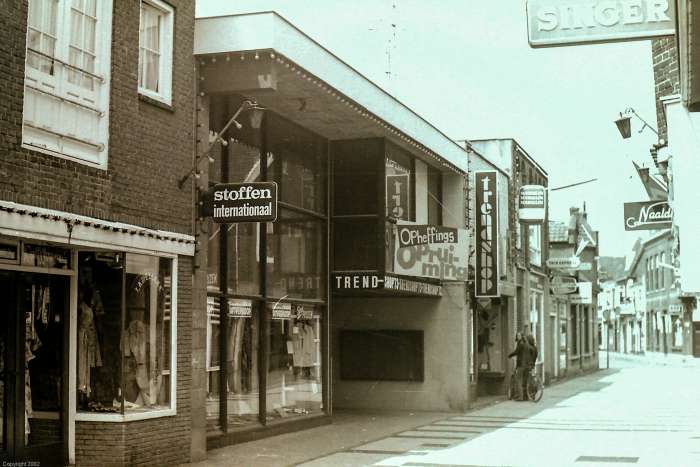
[(69, 145), (167, 37)]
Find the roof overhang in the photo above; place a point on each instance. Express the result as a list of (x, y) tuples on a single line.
[(262, 55), (31, 222)]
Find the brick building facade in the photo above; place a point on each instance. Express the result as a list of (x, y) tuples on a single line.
[(128, 206)]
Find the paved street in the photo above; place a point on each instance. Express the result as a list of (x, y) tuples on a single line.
[(642, 412)]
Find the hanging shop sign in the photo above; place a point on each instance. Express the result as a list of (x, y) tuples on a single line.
[(675, 308), (570, 262), (563, 285), (648, 215), (443, 258), (398, 184), (532, 203), (555, 23), (486, 234), (384, 282), (244, 202), (281, 310), (585, 294)]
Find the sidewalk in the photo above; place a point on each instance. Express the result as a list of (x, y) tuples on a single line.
[(350, 428), (649, 359)]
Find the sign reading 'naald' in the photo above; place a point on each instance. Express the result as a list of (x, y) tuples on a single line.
[(648, 215)]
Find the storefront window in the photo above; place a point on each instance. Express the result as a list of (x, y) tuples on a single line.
[(243, 275), (574, 330), (124, 332), (296, 257), (240, 360), (490, 342), (298, 164), (294, 369)]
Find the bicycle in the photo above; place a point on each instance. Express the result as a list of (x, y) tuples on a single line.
[(534, 389)]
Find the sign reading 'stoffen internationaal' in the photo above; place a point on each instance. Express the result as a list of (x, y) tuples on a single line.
[(244, 202), (432, 251), (570, 22), (486, 234), (648, 215)]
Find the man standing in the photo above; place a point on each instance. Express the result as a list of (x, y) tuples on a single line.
[(523, 355)]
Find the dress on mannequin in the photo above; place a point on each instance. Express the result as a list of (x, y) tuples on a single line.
[(88, 347)]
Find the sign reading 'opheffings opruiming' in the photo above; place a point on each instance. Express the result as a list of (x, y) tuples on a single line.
[(486, 236)]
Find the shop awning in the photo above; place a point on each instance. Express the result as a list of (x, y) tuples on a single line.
[(31, 222), (262, 55)]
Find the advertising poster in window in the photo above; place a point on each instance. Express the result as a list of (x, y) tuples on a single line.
[(486, 234), (398, 184), (431, 251)]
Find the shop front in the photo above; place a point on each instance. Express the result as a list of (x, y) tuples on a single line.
[(88, 332), (332, 141)]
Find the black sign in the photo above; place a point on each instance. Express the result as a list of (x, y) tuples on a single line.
[(386, 282), (486, 232), (648, 215), (244, 202)]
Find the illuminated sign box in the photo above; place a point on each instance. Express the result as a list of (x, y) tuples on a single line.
[(532, 203)]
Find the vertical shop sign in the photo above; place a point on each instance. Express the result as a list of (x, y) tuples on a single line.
[(486, 233), (398, 180)]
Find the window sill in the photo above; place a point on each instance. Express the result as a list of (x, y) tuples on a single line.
[(120, 418), (156, 102)]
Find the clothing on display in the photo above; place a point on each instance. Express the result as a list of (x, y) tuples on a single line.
[(134, 348), (304, 345), (88, 347)]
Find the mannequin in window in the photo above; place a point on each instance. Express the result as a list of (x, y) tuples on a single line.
[(88, 345), (304, 345), (134, 347)]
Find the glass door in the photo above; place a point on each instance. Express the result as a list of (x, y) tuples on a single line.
[(33, 330)]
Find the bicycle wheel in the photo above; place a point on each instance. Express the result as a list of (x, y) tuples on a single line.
[(534, 388)]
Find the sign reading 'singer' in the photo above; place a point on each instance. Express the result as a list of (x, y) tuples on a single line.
[(244, 202), (570, 22)]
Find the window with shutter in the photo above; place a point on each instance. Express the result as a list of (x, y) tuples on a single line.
[(66, 81)]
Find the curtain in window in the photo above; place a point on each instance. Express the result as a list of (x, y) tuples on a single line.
[(149, 48), (41, 33), (81, 53)]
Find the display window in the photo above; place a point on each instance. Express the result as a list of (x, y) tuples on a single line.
[(238, 383), (125, 342), (490, 341), (296, 257), (294, 364)]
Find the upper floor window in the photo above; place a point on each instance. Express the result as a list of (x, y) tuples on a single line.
[(66, 98), (156, 50), (434, 196)]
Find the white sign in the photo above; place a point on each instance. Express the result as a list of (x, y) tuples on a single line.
[(585, 294), (569, 22), (563, 285), (572, 262), (439, 260), (532, 203)]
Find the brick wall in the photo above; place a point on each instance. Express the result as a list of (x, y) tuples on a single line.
[(666, 76), (150, 146), (161, 441)]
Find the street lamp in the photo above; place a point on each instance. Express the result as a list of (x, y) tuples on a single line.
[(624, 123), (256, 115)]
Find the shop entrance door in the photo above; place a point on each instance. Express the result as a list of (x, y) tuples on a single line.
[(33, 340)]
